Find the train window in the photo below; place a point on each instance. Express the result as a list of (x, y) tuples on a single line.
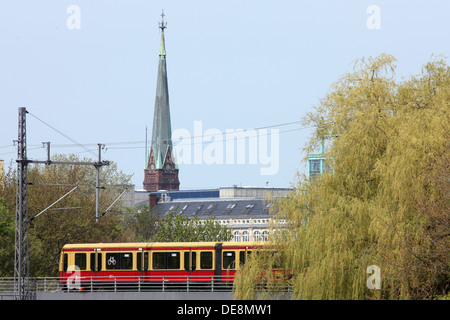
[(159, 261), (99, 262), (244, 257), (65, 262), (93, 262), (206, 260), (119, 260), (80, 260), (229, 258), (145, 261), (139, 261), (241, 258), (126, 260), (112, 261), (193, 261), (166, 260), (173, 260), (186, 261)]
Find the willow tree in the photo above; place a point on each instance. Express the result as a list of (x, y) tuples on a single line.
[(383, 200)]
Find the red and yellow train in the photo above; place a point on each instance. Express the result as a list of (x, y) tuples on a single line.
[(171, 262)]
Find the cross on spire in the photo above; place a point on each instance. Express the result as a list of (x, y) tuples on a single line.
[(162, 24)]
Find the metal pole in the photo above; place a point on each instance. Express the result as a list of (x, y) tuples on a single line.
[(21, 255), (97, 188), (21, 258)]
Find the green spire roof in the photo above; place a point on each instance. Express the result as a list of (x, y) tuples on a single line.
[(162, 130)]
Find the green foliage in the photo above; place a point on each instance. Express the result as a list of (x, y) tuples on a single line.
[(54, 228), (385, 201), (140, 224), (178, 228), (7, 231)]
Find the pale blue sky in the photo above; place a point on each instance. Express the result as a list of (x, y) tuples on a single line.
[(231, 64)]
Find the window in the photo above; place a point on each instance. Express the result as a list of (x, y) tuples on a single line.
[(229, 208), (245, 236), (256, 235), (228, 260), (80, 260), (173, 260), (265, 235), (197, 210), (65, 262), (193, 261), (209, 209), (145, 261), (206, 260), (237, 236), (267, 208), (243, 256), (93, 261), (166, 260), (159, 260), (119, 260), (184, 208), (315, 167), (248, 208), (139, 261), (142, 265)]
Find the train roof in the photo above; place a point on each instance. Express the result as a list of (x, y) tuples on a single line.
[(149, 245)]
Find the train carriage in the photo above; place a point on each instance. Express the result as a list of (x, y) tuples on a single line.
[(171, 262)]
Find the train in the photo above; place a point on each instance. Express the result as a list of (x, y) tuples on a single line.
[(153, 263)]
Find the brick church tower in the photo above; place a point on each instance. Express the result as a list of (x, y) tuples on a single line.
[(162, 170)]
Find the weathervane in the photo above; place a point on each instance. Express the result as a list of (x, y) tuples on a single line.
[(162, 24)]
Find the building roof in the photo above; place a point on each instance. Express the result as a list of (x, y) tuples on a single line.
[(218, 208)]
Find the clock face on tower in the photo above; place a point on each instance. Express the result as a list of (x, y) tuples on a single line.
[(168, 167)]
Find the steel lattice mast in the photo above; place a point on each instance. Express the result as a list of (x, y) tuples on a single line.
[(21, 257), (21, 254)]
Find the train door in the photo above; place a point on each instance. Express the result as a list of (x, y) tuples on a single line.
[(96, 263), (190, 262), (142, 262)]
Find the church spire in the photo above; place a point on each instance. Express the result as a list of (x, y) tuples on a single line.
[(162, 170), (162, 26)]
